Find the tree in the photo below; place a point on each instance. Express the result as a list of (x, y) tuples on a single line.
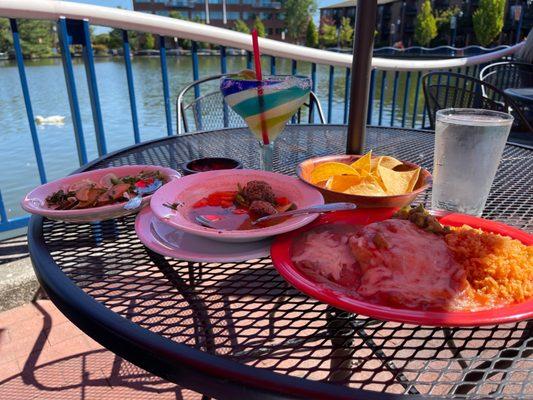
[(328, 32), (346, 32), (311, 36), (488, 20), (147, 41), (184, 43), (297, 15), (425, 25), (240, 26), (259, 27), (5, 35)]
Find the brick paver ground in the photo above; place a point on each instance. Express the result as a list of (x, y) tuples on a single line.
[(44, 356)]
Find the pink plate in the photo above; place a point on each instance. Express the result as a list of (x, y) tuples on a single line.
[(281, 253), (35, 203), (170, 242), (189, 189)]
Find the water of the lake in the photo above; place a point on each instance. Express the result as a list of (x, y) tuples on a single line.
[(49, 97)]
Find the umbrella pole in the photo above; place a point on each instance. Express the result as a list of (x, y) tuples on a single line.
[(365, 25)]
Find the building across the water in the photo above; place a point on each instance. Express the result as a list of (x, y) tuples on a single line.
[(396, 20), (222, 13)]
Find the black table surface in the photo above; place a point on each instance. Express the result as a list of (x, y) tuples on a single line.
[(238, 330), (521, 94)]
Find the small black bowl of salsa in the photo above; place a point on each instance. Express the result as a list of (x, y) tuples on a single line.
[(210, 164)]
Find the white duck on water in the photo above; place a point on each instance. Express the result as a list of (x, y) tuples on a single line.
[(51, 120)]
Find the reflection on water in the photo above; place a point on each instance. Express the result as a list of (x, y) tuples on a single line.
[(49, 97)]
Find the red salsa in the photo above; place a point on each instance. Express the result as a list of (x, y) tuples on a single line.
[(236, 210)]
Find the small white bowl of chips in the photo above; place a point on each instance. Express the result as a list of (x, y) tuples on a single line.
[(367, 180)]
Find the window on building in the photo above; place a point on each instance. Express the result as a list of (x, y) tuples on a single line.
[(233, 15), (248, 1), (264, 16), (247, 15), (164, 13), (270, 31), (215, 15), (233, 1)]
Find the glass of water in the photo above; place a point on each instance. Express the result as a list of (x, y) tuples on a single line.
[(468, 146)]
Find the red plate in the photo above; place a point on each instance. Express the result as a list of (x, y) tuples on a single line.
[(282, 259)]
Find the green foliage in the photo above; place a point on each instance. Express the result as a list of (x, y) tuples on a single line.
[(328, 33), (259, 27), (240, 26), (5, 35), (443, 17), (147, 41), (115, 39), (183, 43), (311, 35), (488, 20), (346, 33), (37, 38), (297, 15), (425, 25)]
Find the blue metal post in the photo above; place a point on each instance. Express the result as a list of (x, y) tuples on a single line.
[(195, 74), (27, 101), (394, 92), (223, 70), (382, 96), (417, 93), (71, 89), (272, 65), (406, 97), (90, 72), (164, 77), (313, 89), (371, 97), (249, 60), (330, 92), (3, 214), (131, 89), (294, 71), (346, 95), (519, 27)]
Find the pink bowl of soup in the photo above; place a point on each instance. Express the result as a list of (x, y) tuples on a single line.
[(105, 187), (214, 195)]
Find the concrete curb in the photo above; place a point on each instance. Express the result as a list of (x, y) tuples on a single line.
[(18, 283)]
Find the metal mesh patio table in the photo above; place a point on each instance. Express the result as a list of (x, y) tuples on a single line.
[(239, 331)]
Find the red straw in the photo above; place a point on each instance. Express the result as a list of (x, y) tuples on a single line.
[(259, 77)]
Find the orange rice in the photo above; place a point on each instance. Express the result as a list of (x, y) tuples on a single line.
[(499, 269)]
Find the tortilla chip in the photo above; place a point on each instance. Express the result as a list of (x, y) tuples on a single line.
[(396, 182), (389, 162), (366, 188), (325, 171), (363, 163), (339, 183)]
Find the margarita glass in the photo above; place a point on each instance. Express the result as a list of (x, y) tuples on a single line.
[(265, 105)]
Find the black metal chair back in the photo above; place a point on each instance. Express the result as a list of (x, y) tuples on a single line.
[(508, 74), (452, 90), (210, 111)]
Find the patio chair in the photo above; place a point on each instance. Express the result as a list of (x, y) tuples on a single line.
[(508, 74), (452, 90), (209, 111)]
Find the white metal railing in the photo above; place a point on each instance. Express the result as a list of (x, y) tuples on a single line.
[(165, 26)]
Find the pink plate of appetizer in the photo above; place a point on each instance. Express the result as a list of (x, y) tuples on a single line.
[(224, 205), (414, 267), (98, 195), (171, 242)]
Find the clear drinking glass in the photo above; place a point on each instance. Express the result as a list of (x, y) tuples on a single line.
[(468, 146), (265, 105)]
